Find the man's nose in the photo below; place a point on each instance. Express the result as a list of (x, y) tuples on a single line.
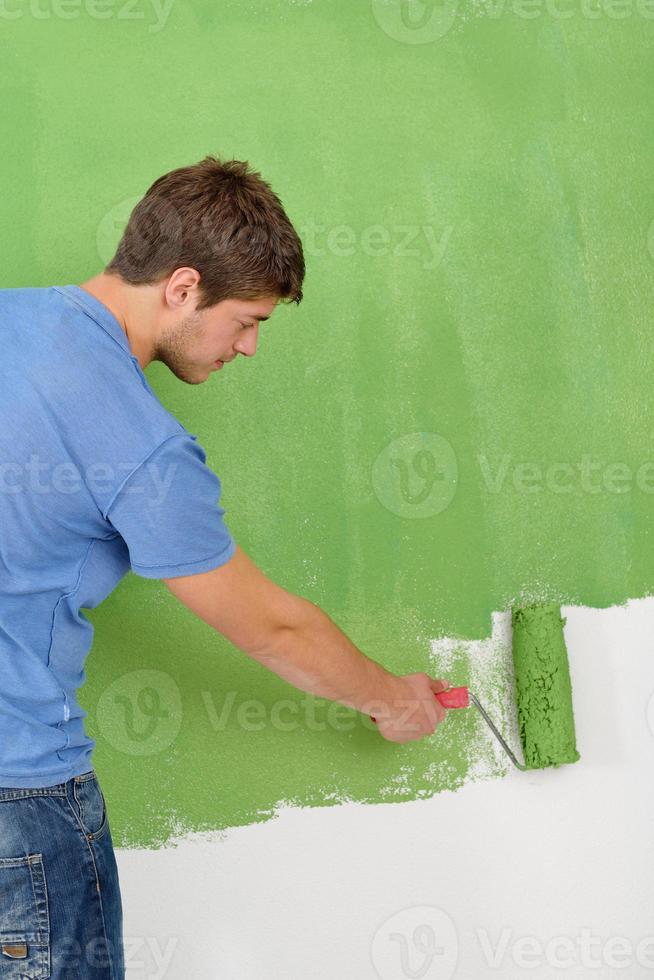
[(248, 345)]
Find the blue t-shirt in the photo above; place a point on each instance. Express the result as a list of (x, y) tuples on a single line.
[(96, 478)]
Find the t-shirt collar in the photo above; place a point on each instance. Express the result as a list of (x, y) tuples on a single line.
[(98, 312)]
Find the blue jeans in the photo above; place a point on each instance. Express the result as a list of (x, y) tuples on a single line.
[(61, 914)]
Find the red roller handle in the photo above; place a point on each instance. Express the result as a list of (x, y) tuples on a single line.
[(454, 697)]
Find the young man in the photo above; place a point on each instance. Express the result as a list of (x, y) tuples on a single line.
[(97, 478)]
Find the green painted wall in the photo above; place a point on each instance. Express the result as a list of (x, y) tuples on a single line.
[(473, 185)]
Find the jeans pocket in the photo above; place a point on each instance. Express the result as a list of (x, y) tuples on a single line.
[(91, 805), (24, 920)]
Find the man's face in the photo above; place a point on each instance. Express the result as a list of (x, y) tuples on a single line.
[(201, 342)]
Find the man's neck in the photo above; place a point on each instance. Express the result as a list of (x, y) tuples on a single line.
[(131, 306)]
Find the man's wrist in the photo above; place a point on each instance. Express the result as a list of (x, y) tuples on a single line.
[(384, 696)]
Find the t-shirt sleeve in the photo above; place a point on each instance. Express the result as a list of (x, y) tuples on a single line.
[(167, 511)]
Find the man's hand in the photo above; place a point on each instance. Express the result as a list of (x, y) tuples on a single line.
[(414, 712)]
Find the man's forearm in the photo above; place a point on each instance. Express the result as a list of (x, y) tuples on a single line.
[(316, 656), (300, 643)]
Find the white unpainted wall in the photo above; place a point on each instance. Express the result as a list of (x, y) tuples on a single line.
[(535, 875)]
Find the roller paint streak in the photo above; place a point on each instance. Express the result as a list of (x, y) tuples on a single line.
[(543, 688)]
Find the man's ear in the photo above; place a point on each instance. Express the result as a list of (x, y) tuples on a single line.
[(182, 288)]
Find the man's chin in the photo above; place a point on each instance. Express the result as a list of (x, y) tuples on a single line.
[(191, 377)]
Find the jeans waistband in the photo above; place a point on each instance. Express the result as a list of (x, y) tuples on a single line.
[(59, 789)]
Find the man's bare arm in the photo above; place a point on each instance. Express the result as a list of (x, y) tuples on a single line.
[(298, 641)]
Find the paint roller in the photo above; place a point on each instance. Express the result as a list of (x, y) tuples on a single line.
[(543, 690)]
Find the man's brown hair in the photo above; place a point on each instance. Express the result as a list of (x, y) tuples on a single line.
[(221, 218)]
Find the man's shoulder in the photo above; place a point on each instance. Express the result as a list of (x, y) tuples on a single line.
[(77, 381)]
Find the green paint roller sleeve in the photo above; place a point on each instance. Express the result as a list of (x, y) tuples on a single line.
[(543, 689)]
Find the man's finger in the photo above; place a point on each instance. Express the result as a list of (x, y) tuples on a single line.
[(438, 684)]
